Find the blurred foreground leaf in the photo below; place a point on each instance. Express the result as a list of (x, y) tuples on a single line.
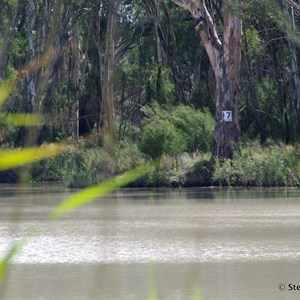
[(16, 247), (152, 295), (19, 157), (22, 119), (91, 193), (197, 294)]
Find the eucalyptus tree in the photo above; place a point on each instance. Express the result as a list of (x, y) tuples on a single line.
[(48, 23), (10, 26), (225, 57), (118, 32), (270, 75), (166, 48), (108, 113)]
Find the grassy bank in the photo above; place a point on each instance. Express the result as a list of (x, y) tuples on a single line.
[(86, 163), (273, 165)]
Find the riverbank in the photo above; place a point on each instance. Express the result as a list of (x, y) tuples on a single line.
[(87, 164)]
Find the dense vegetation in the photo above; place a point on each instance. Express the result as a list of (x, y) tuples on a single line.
[(124, 82)]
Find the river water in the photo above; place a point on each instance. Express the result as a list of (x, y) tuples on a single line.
[(164, 244)]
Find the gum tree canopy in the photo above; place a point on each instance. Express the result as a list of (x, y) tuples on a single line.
[(225, 58)]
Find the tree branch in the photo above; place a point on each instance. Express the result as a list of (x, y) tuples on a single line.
[(183, 3), (205, 27)]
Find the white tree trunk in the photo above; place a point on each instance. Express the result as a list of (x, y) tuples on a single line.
[(75, 76), (109, 66), (31, 78), (225, 59)]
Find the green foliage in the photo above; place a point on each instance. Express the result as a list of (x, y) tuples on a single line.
[(170, 132), (266, 11), (21, 119), (271, 166), (86, 164), (159, 177), (255, 44), (18, 49), (167, 87), (197, 126), (267, 92), (162, 137), (268, 70), (18, 157), (13, 3)]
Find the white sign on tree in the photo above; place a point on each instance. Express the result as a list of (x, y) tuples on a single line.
[(227, 115)]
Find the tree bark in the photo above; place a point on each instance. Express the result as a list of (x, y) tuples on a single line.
[(225, 59), (168, 47), (75, 77), (108, 123), (31, 78), (52, 38), (159, 54)]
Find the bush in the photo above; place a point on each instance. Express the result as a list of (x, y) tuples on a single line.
[(86, 165), (52, 169), (198, 126), (162, 137)]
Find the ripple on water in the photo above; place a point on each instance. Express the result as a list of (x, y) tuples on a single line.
[(72, 249)]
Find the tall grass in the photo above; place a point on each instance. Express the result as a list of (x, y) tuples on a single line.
[(275, 165), (85, 163)]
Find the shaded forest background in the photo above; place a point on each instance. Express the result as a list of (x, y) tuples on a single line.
[(133, 77)]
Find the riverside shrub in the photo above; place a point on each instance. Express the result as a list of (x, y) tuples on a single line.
[(87, 163), (162, 137), (198, 126), (277, 165)]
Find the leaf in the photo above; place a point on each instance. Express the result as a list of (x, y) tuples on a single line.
[(15, 248), (13, 3), (196, 294), (11, 253), (91, 193), (15, 158), (152, 295), (21, 119)]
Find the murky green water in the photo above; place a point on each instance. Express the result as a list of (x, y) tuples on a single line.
[(238, 244)]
